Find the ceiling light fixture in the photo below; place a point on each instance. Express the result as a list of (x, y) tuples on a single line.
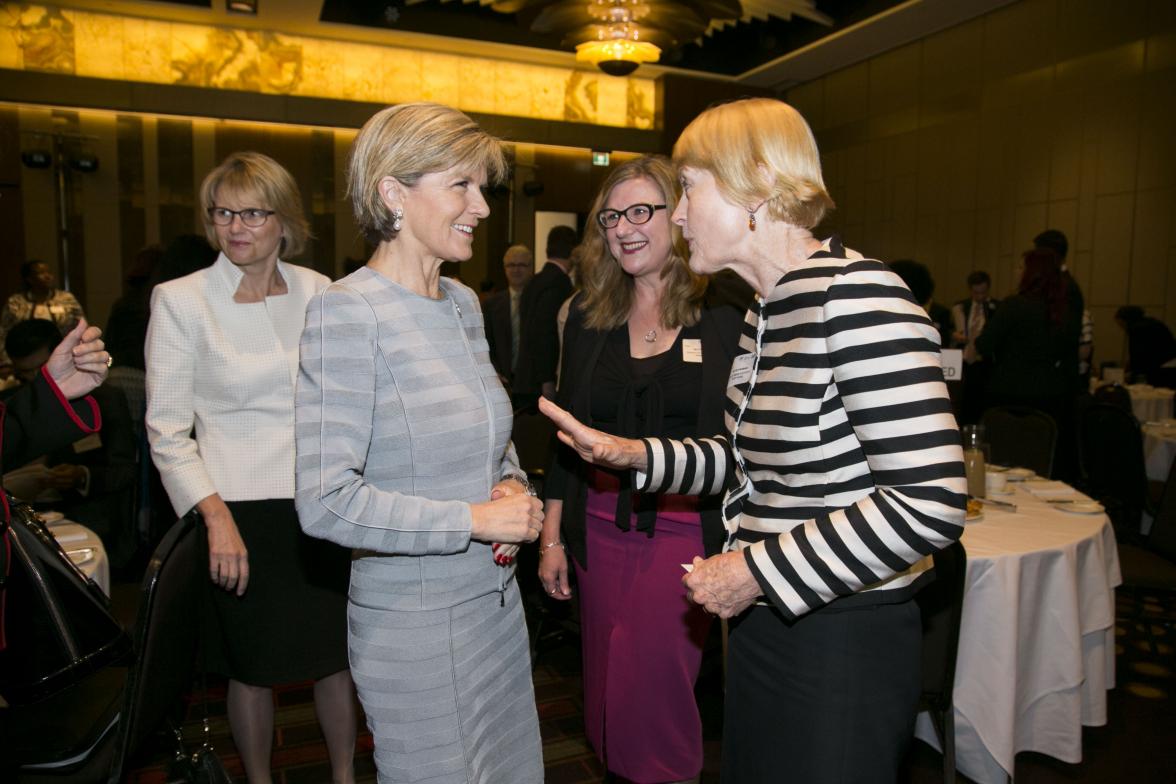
[(241, 7), (618, 50), (618, 35)]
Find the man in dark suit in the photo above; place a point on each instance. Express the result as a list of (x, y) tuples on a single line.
[(968, 319), (502, 310), (538, 360)]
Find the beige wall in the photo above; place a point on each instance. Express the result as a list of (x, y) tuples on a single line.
[(957, 149)]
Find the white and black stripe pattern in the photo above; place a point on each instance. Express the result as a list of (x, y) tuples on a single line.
[(846, 471)]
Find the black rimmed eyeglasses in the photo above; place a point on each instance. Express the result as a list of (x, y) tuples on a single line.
[(252, 217), (634, 213)]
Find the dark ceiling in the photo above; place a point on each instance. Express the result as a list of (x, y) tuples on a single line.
[(728, 52)]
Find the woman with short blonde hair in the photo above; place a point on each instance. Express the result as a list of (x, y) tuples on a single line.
[(271, 184), (404, 454), (839, 464), (221, 358)]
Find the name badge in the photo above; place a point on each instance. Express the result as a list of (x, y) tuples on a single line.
[(87, 444), (741, 370), (953, 364), (691, 350)]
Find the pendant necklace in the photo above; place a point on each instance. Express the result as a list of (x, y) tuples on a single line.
[(651, 336)]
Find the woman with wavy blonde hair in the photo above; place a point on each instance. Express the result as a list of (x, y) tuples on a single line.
[(643, 352)]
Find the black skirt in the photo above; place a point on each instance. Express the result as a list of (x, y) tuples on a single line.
[(291, 624)]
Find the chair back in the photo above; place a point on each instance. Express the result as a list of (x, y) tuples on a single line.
[(1115, 395), (166, 635), (941, 605), (1021, 436), (1110, 453)]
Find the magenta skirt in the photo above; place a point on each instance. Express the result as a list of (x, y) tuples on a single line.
[(642, 639)]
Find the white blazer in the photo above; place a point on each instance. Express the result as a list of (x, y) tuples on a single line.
[(227, 369)]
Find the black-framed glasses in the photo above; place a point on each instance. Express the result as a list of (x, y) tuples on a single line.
[(251, 217), (634, 213)]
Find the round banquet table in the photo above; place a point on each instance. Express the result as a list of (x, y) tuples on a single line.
[(85, 549), (1037, 639), (1159, 448), (1151, 403)]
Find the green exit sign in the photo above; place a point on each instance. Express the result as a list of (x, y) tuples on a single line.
[(599, 158)]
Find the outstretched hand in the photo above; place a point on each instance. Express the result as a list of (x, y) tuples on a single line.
[(80, 361), (593, 445)]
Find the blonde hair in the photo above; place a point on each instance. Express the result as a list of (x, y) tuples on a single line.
[(261, 176), (734, 140), (407, 142), (608, 289)]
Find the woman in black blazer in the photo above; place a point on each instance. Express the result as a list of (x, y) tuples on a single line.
[(643, 352)]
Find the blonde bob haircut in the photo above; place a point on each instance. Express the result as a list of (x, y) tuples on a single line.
[(260, 177), (734, 140), (608, 289), (407, 142)]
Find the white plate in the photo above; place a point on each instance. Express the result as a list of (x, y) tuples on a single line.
[(972, 518), (1001, 492), (1019, 474), (1081, 507)]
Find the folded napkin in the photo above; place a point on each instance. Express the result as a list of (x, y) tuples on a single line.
[(1047, 488), (76, 536)]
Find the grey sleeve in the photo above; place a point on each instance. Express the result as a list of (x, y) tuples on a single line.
[(334, 409)]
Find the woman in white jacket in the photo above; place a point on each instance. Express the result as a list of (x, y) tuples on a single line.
[(222, 360)]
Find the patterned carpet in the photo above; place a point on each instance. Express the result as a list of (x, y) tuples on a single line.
[(1135, 746)]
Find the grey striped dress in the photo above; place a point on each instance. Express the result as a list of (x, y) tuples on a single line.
[(401, 425)]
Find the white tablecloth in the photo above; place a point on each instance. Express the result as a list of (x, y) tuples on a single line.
[(1151, 403), (1037, 647), (1159, 448), (85, 549)]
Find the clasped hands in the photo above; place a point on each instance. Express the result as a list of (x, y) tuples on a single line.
[(510, 516), (723, 584)]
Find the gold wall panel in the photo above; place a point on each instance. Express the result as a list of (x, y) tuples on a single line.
[(105, 46)]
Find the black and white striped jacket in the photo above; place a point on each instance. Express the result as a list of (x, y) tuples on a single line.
[(842, 465)]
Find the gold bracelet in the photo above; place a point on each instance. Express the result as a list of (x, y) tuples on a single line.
[(544, 548)]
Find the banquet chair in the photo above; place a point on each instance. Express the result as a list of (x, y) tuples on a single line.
[(1149, 568), (941, 605), (1022, 437), (1115, 395), (147, 694), (1110, 455)]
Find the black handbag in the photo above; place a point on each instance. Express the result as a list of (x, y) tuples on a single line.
[(201, 766), (57, 622)]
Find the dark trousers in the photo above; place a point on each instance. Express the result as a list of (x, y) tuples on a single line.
[(829, 699)]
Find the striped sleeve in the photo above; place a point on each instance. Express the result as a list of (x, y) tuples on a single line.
[(888, 387), (688, 467)]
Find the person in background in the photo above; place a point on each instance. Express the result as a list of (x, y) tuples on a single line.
[(502, 310), (1032, 341), (644, 354), (840, 462), (52, 410), (222, 360), (968, 319), (404, 454), (538, 361), (92, 480), (126, 332), (1150, 345), (918, 279), (39, 297)]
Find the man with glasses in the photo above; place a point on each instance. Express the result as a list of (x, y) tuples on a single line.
[(538, 359), (503, 312)]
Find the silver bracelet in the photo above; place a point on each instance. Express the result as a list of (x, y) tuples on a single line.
[(522, 479), (544, 548)]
